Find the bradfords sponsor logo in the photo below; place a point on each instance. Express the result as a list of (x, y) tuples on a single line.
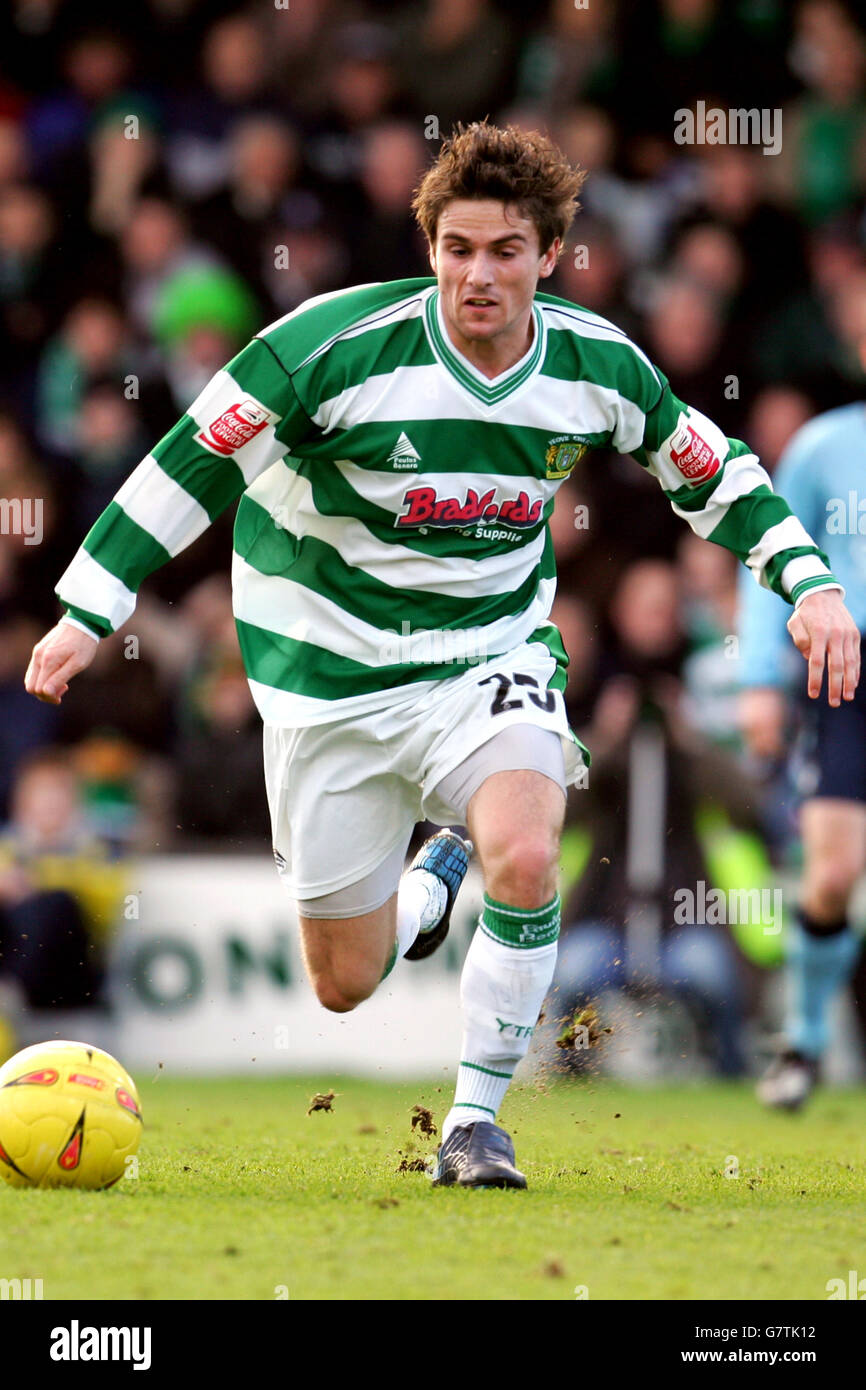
[(693, 456), (235, 427), (423, 507)]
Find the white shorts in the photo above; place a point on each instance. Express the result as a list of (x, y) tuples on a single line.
[(345, 796)]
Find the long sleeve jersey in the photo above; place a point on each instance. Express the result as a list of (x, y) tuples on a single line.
[(388, 488)]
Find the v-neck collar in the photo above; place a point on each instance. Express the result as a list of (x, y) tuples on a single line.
[(466, 373)]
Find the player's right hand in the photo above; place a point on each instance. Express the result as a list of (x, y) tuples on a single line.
[(763, 717), (61, 654)]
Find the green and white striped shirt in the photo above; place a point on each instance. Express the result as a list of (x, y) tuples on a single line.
[(391, 492)]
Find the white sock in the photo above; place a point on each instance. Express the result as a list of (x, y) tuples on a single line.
[(502, 989), (421, 900)]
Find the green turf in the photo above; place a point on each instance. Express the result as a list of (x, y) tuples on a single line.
[(241, 1192)]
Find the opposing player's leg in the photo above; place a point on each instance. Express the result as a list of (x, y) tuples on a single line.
[(823, 949), (515, 819)]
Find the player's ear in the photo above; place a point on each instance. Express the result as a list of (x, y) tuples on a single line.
[(431, 255), (549, 259)]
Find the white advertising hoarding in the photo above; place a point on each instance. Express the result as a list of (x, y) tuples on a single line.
[(208, 977)]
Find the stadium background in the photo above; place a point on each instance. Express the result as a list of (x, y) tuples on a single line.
[(176, 174)]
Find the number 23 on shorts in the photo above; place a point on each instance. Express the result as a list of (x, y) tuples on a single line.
[(545, 700)]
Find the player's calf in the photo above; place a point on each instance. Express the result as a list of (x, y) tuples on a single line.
[(346, 957)]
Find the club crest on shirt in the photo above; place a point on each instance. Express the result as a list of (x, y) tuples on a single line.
[(235, 427), (563, 453)]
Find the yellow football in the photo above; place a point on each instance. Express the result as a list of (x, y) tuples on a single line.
[(69, 1117)]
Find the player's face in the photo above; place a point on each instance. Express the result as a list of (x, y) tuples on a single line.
[(488, 264)]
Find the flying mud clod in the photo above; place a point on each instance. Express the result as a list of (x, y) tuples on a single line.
[(323, 1101), (582, 1030), (422, 1119)]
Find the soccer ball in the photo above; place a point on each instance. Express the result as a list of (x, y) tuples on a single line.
[(69, 1117)]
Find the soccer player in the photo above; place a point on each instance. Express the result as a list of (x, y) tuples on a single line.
[(821, 474), (397, 449)]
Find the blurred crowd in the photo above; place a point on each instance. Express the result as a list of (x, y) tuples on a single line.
[(178, 173)]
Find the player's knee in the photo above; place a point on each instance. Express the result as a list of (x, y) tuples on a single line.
[(522, 870), (341, 994), (830, 883)]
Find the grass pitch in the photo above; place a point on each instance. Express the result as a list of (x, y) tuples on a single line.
[(667, 1193)]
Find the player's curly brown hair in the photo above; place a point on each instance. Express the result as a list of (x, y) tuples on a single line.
[(511, 165)]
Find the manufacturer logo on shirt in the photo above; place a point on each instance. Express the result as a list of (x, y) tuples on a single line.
[(404, 455), (235, 427), (424, 507)]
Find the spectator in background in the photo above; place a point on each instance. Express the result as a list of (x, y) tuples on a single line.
[(685, 337), (822, 164), (592, 273), (635, 210), (361, 88), (95, 66), (710, 670), (94, 341), (221, 796), (120, 745), (313, 255), (799, 344), (60, 899), (571, 56), (125, 160), (731, 193), (21, 730), (34, 282), (459, 53), (111, 440), (201, 319), (243, 217), (236, 81), (387, 244), (300, 41), (156, 244), (671, 52), (33, 505), (217, 751), (579, 628), (776, 413)]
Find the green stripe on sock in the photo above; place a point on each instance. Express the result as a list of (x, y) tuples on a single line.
[(520, 911), (470, 1105), (505, 1075), (514, 926), (392, 961)]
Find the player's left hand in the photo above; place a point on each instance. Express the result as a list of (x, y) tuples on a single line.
[(823, 629)]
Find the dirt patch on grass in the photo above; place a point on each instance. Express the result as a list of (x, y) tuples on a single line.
[(408, 1164)]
